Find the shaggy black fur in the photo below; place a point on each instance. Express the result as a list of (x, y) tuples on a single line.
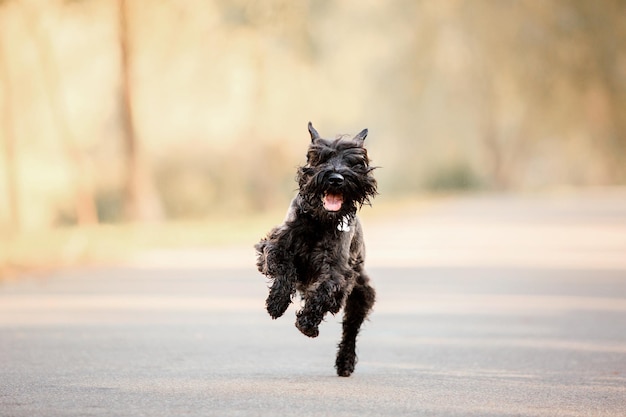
[(319, 249)]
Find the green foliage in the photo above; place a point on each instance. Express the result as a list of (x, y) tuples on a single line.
[(199, 182), (110, 205), (455, 177)]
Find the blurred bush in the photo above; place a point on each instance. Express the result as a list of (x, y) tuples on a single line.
[(197, 181), (457, 177)]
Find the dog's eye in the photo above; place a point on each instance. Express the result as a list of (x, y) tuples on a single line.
[(358, 163), (321, 157)]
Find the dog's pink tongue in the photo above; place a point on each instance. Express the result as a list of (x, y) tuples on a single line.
[(332, 202)]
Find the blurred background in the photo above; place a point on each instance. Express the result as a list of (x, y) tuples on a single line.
[(141, 123)]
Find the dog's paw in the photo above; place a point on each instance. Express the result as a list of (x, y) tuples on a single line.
[(307, 326), (276, 306), (279, 297), (345, 370), (345, 364), (331, 297)]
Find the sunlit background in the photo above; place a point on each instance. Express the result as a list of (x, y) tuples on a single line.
[(190, 115)]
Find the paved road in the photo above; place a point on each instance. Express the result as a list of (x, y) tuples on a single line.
[(522, 337)]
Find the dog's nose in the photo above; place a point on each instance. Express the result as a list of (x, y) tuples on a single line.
[(335, 179)]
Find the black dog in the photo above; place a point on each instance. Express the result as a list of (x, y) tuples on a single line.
[(319, 249)]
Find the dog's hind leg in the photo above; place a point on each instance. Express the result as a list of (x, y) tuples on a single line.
[(358, 305)]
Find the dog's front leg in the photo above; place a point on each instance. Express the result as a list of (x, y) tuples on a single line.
[(326, 295), (282, 290), (276, 263)]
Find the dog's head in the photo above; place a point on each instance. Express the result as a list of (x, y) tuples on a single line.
[(337, 178)]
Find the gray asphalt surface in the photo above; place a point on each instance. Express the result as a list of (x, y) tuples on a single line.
[(499, 339)]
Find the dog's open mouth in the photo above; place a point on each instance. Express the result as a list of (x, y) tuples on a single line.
[(332, 202)]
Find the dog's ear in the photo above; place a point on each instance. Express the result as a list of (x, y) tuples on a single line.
[(313, 132), (360, 137)]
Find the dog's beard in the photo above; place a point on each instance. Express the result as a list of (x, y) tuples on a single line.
[(332, 201)]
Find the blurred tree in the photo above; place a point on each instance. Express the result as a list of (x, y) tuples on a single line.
[(461, 94), (605, 48), (142, 203), (538, 67), (9, 143), (84, 201)]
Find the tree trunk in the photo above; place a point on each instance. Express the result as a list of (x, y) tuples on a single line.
[(141, 202), (84, 201), (9, 146)]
